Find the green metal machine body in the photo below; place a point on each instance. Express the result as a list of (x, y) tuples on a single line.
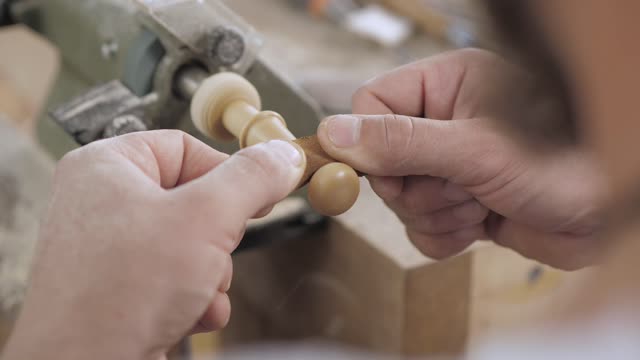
[(131, 65), (134, 64)]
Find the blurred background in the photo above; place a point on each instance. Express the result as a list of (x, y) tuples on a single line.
[(355, 280)]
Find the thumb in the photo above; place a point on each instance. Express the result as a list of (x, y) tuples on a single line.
[(397, 145), (245, 183)]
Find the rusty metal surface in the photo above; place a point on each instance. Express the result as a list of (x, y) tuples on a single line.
[(86, 116)]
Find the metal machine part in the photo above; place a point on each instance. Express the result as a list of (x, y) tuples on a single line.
[(87, 116), (188, 81), (124, 125), (157, 51)]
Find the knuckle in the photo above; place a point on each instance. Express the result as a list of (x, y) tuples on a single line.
[(222, 260), (209, 214), (471, 54), (228, 236), (470, 212), (414, 205), (439, 224), (164, 132), (227, 275), (361, 97), (573, 258), (430, 224), (423, 224), (212, 257), (471, 51), (258, 163), (218, 255), (372, 97), (270, 167), (76, 159), (566, 265), (443, 246), (399, 133), (430, 246), (438, 255), (74, 156), (63, 167)]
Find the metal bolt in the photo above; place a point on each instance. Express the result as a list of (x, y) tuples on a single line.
[(123, 125), (109, 49), (226, 45)]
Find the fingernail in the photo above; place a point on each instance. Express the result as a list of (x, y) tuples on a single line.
[(287, 150), (454, 192), (344, 130)]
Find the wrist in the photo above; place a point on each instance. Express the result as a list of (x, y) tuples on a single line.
[(52, 336)]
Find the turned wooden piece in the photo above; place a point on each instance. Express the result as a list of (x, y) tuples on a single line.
[(226, 107)]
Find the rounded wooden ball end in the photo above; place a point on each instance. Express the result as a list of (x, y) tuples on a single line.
[(212, 98), (333, 189)]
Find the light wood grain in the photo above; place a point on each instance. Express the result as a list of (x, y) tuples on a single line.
[(28, 68)]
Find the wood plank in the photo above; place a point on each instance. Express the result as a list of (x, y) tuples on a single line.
[(360, 282), (28, 68), (508, 290)]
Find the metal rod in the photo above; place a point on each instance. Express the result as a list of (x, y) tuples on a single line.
[(188, 80)]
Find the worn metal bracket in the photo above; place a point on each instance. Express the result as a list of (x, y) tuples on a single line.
[(86, 116)]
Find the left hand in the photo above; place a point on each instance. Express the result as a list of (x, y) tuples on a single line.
[(135, 250)]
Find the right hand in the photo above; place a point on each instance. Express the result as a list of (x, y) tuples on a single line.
[(452, 178)]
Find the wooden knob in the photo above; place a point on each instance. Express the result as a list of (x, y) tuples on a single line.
[(226, 106), (333, 189), (213, 98)]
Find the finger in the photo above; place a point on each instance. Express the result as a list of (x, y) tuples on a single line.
[(446, 245), (395, 145), (388, 188), (217, 314), (264, 212), (225, 282), (433, 87), (211, 269), (445, 220), (423, 195), (250, 180), (560, 250), (169, 157)]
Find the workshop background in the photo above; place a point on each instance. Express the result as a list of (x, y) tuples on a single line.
[(358, 281)]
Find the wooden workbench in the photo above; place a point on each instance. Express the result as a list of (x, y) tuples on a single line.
[(362, 282)]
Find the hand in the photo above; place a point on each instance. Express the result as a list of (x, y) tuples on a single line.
[(135, 250), (452, 178)]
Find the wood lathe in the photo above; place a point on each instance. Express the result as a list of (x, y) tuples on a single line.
[(133, 65)]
